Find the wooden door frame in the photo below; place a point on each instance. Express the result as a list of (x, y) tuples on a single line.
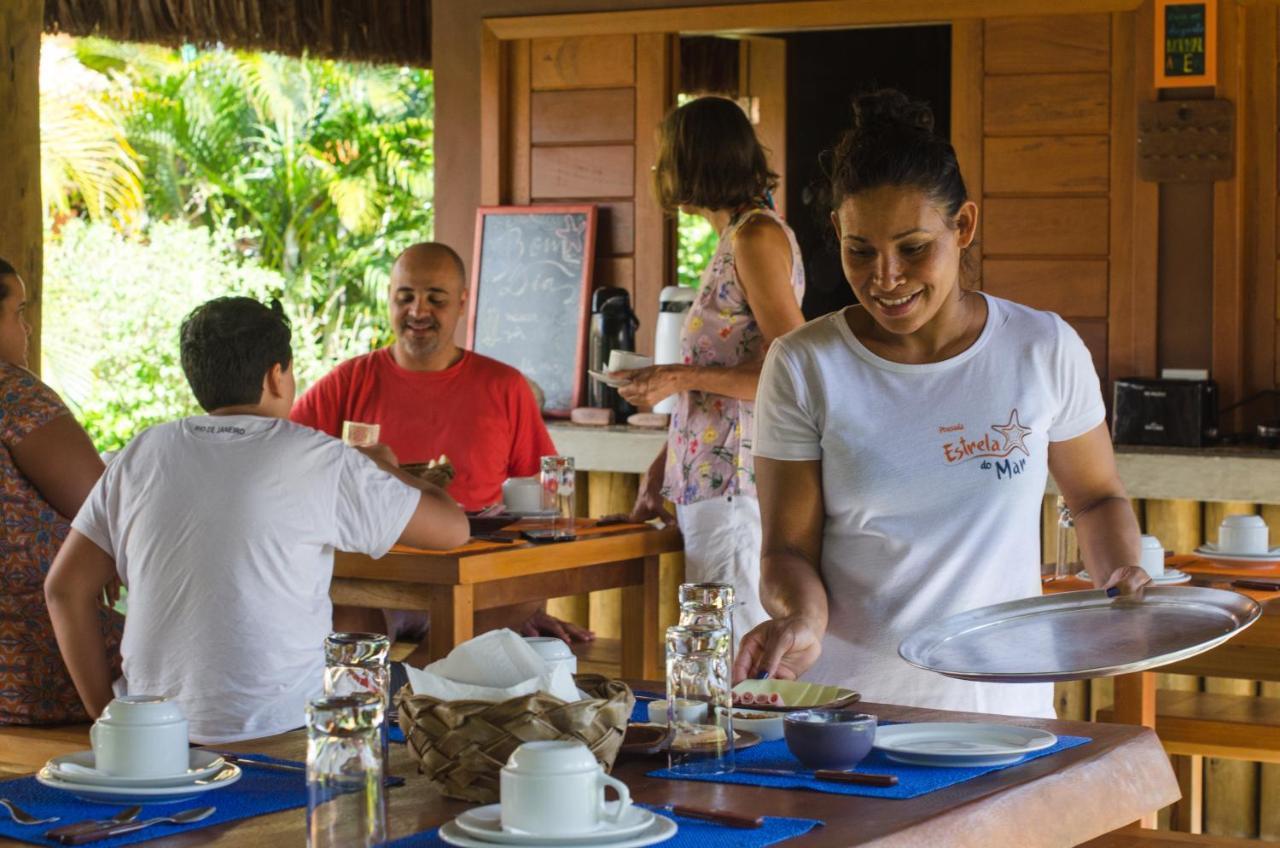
[(1132, 254)]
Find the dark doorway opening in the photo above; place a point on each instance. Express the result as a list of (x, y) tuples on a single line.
[(825, 70)]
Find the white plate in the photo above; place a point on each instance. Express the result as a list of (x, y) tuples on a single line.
[(768, 726), (1211, 551), (485, 824), (796, 694), (1171, 577), (203, 765), (659, 830), (608, 380), (960, 744), (140, 794)]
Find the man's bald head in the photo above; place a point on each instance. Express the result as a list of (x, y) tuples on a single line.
[(428, 293), (427, 256)]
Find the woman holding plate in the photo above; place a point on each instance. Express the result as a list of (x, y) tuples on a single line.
[(902, 445)]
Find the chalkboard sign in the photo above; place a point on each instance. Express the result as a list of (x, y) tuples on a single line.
[(530, 294), (1186, 43)]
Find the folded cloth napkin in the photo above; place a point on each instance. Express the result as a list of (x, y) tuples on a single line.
[(912, 780), (692, 833), (496, 666), (258, 792)]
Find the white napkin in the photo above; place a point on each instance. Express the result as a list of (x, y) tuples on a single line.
[(494, 666)]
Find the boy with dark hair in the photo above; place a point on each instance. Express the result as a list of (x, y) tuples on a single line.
[(223, 527)]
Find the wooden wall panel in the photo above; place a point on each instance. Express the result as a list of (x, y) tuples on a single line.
[(654, 231), (617, 228), (599, 61), (564, 173), (966, 114), (1048, 44), (617, 271), (1065, 226), (1046, 164), (1073, 288), (518, 120), (1093, 332), (589, 115), (1045, 104)]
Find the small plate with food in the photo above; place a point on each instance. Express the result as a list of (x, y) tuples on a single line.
[(651, 739), (786, 695)]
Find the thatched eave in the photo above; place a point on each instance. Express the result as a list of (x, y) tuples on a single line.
[(383, 31)]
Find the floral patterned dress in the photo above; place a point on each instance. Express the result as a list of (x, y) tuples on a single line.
[(35, 687), (709, 443)]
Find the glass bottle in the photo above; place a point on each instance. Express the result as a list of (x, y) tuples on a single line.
[(1067, 563), (557, 494), (700, 700), (346, 807)]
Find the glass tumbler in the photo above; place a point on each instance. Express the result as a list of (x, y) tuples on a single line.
[(709, 605), (557, 493), (345, 803), (700, 700), (356, 663)]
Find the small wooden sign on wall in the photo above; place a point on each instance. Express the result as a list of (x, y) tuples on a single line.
[(1186, 43)]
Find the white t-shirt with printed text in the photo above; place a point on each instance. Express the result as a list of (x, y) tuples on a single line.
[(933, 477), (223, 530)]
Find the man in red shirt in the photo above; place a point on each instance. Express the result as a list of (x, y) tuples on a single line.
[(431, 397)]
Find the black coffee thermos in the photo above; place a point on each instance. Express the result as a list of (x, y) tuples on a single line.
[(613, 327)]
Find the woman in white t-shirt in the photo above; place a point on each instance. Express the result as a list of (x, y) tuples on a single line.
[(902, 445)]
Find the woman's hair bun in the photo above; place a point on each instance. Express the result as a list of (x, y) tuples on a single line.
[(889, 109)]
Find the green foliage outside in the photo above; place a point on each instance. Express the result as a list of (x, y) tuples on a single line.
[(695, 245), (176, 176)]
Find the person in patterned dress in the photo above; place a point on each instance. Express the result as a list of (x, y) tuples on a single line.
[(711, 164), (47, 468)]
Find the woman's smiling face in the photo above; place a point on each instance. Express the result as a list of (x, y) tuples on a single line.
[(901, 254)]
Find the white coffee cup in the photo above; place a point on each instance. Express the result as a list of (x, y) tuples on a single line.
[(141, 736), (1152, 560), (625, 360), (1243, 534), (522, 494), (556, 788), (553, 651)]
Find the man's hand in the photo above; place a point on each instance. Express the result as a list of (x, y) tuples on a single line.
[(649, 385), (784, 648), (541, 624), (381, 454)]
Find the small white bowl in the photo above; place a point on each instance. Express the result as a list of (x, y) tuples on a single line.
[(689, 712), (768, 726)]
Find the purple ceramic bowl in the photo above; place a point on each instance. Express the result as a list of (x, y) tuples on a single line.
[(829, 739)]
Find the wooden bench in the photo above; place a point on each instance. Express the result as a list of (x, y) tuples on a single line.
[(25, 748)]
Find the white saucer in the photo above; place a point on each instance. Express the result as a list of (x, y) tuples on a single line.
[(1171, 577), (960, 744), (608, 380), (141, 794), (659, 830), (203, 765), (485, 824), (1211, 551)]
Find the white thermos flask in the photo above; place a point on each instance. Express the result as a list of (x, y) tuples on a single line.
[(673, 303)]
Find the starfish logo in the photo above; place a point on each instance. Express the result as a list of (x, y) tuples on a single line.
[(1012, 437), (1014, 433)]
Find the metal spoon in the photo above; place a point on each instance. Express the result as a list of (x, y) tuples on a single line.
[(185, 817), (21, 816)]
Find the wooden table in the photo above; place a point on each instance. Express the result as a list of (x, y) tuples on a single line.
[(453, 585), (1060, 800)]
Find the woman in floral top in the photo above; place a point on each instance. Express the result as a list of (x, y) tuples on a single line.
[(711, 164), (47, 467)]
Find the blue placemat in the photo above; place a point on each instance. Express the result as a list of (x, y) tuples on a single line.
[(692, 833), (395, 734), (257, 792), (913, 781)]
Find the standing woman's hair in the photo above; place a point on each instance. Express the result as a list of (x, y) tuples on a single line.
[(709, 157), (6, 270)]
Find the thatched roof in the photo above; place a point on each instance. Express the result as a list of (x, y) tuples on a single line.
[(389, 31)]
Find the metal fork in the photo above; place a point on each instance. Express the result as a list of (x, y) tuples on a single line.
[(21, 816)]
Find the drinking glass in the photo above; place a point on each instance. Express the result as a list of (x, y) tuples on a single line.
[(1067, 563), (357, 434), (709, 605), (699, 672), (557, 493), (346, 807), (356, 663)]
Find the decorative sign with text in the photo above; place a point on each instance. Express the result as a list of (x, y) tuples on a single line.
[(1186, 43)]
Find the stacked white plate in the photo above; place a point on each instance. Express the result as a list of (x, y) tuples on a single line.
[(75, 773), (1171, 577), (960, 744), (482, 828), (1211, 551)]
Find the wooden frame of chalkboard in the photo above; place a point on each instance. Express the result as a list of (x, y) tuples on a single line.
[(557, 262), (1186, 43)]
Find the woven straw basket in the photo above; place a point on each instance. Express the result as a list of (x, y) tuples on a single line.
[(463, 745)]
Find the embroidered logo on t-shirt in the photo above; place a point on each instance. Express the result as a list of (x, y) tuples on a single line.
[(1010, 437)]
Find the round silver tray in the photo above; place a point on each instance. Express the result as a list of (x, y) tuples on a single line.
[(1077, 635)]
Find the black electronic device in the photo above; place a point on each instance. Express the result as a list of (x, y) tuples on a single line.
[(1172, 413)]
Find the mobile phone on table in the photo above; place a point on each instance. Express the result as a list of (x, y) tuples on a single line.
[(546, 536), (1261, 585)]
